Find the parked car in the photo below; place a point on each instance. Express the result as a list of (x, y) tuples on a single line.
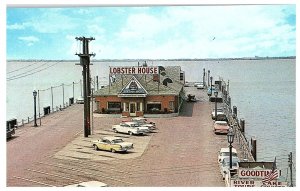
[(191, 98), (225, 166), (221, 127), (88, 184), (80, 100), (210, 91), (131, 128), (219, 112), (113, 144), (144, 123), (197, 83), (224, 152), (200, 86)]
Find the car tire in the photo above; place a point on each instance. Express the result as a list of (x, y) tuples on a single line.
[(113, 150), (96, 148), (115, 130), (130, 133)]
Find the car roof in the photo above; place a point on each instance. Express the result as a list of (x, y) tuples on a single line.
[(226, 150), (93, 184), (129, 122), (111, 138), (221, 122), (234, 159), (138, 118)]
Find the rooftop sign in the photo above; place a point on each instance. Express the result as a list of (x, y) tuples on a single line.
[(134, 70)]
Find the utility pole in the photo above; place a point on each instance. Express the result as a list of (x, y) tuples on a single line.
[(85, 63), (291, 167)]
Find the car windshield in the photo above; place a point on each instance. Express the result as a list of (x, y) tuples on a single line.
[(134, 125), (226, 154), (223, 124), (117, 141), (226, 162)]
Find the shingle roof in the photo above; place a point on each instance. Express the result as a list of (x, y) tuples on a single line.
[(152, 87)]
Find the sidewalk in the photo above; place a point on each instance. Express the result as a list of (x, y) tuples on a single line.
[(182, 153)]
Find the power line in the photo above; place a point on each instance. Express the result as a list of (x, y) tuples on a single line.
[(22, 76), (23, 67), (17, 75)]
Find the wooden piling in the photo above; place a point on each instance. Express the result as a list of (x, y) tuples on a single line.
[(234, 111), (242, 125), (253, 148)]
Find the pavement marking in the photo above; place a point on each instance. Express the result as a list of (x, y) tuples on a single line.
[(93, 174), (29, 180), (55, 175), (97, 165)]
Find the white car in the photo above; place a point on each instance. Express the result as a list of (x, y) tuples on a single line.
[(88, 184), (80, 100), (225, 166), (200, 86), (220, 111), (224, 152), (131, 128), (143, 122)]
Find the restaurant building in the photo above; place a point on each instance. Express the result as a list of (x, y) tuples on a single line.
[(135, 91)]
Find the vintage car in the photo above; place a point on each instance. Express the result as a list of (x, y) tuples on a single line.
[(200, 86), (224, 152), (131, 128), (225, 166), (88, 184), (220, 111), (221, 127), (113, 144), (80, 100), (143, 122), (210, 91)]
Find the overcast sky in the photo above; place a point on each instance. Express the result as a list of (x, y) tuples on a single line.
[(155, 32)]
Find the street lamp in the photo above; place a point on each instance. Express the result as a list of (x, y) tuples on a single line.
[(34, 98), (216, 95), (230, 137), (211, 85)]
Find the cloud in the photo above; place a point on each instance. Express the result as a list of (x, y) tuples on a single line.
[(30, 40), (17, 26)]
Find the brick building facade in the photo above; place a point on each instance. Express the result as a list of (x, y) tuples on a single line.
[(136, 94)]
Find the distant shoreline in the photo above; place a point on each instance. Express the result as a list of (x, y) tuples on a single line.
[(140, 60)]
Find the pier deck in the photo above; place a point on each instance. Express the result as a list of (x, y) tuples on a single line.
[(182, 153)]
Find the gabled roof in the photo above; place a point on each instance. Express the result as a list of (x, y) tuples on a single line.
[(146, 81), (133, 87)]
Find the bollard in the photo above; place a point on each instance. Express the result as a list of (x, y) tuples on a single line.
[(253, 150), (234, 110), (28, 119), (22, 122), (242, 125)]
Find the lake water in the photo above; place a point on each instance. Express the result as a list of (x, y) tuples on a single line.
[(264, 92)]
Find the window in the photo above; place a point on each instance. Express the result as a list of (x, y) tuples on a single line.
[(153, 106), (114, 106), (171, 105)]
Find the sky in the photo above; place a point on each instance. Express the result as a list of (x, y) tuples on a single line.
[(152, 32)]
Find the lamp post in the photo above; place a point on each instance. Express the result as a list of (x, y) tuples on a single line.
[(211, 85), (230, 137), (216, 95), (34, 98)]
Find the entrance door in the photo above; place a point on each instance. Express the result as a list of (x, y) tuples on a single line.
[(132, 109)]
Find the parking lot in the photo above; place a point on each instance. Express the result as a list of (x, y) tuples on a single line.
[(183, 152)]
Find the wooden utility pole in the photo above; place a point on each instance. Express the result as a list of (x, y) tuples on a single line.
[(85, 63), (291, 168)]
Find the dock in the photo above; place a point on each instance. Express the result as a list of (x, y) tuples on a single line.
[(183, 152)]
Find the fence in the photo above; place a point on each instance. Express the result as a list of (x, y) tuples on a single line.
[(248, 148), (50, 104)]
